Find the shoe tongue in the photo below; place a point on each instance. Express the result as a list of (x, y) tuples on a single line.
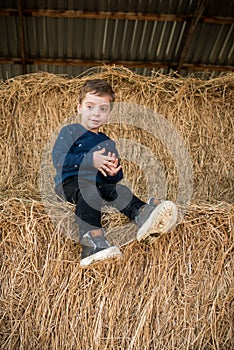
[(96, 233)]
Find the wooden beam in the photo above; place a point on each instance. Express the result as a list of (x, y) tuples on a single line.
[(22, 39), (130, 16), (201, 5), (208, 67), (130, 64)]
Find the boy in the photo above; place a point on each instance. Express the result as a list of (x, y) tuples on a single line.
[(89, 172)]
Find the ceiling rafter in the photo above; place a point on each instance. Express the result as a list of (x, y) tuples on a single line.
[(22, 38), (201, 5), (130, 16), (130, 64)]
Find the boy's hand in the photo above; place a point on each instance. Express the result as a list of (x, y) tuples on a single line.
[(107, 165), (114, 169)]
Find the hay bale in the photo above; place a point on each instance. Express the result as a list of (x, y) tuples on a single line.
[(174, 294), (34, 106)]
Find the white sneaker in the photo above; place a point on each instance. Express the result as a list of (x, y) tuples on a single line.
[(160, 220)]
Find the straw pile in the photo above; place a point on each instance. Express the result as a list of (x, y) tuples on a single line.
[(176, 293)]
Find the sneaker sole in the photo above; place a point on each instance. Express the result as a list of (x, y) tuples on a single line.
[(161, 220), (108, 253)]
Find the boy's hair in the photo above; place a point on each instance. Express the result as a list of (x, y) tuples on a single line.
[(97, 87)]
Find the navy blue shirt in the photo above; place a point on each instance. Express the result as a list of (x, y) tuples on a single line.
[(73, 155)]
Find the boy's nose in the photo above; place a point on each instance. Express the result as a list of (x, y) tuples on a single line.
[(96, 110)]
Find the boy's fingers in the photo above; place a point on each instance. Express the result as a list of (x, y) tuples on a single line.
[(102, 171), (116, 161), (117, 169), (113, 171), (109, 163)]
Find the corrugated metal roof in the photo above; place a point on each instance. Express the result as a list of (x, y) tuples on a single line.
[(146, 45)]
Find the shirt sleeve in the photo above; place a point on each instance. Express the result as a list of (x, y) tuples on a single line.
[(115, 179), (62, 155)]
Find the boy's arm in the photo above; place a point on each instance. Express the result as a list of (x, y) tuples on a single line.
[(62, 154), (64, 159)]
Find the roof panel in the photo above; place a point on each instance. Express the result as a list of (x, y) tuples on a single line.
[(116, 39)]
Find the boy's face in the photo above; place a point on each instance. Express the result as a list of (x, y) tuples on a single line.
[(94, 111)]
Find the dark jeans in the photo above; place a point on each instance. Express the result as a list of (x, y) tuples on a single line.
[(90, 198)]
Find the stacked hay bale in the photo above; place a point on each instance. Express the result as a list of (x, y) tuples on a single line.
[(173, 294)]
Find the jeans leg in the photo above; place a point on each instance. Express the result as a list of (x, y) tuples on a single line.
[(88, 208), (88, 202), (68, 189), (121, 198)]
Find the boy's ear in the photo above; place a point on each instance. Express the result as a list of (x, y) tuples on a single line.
[(79, 108)]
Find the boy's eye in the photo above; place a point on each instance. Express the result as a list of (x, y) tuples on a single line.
[(104, 109)]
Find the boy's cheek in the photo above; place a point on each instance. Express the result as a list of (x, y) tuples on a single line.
[(85, 113)]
